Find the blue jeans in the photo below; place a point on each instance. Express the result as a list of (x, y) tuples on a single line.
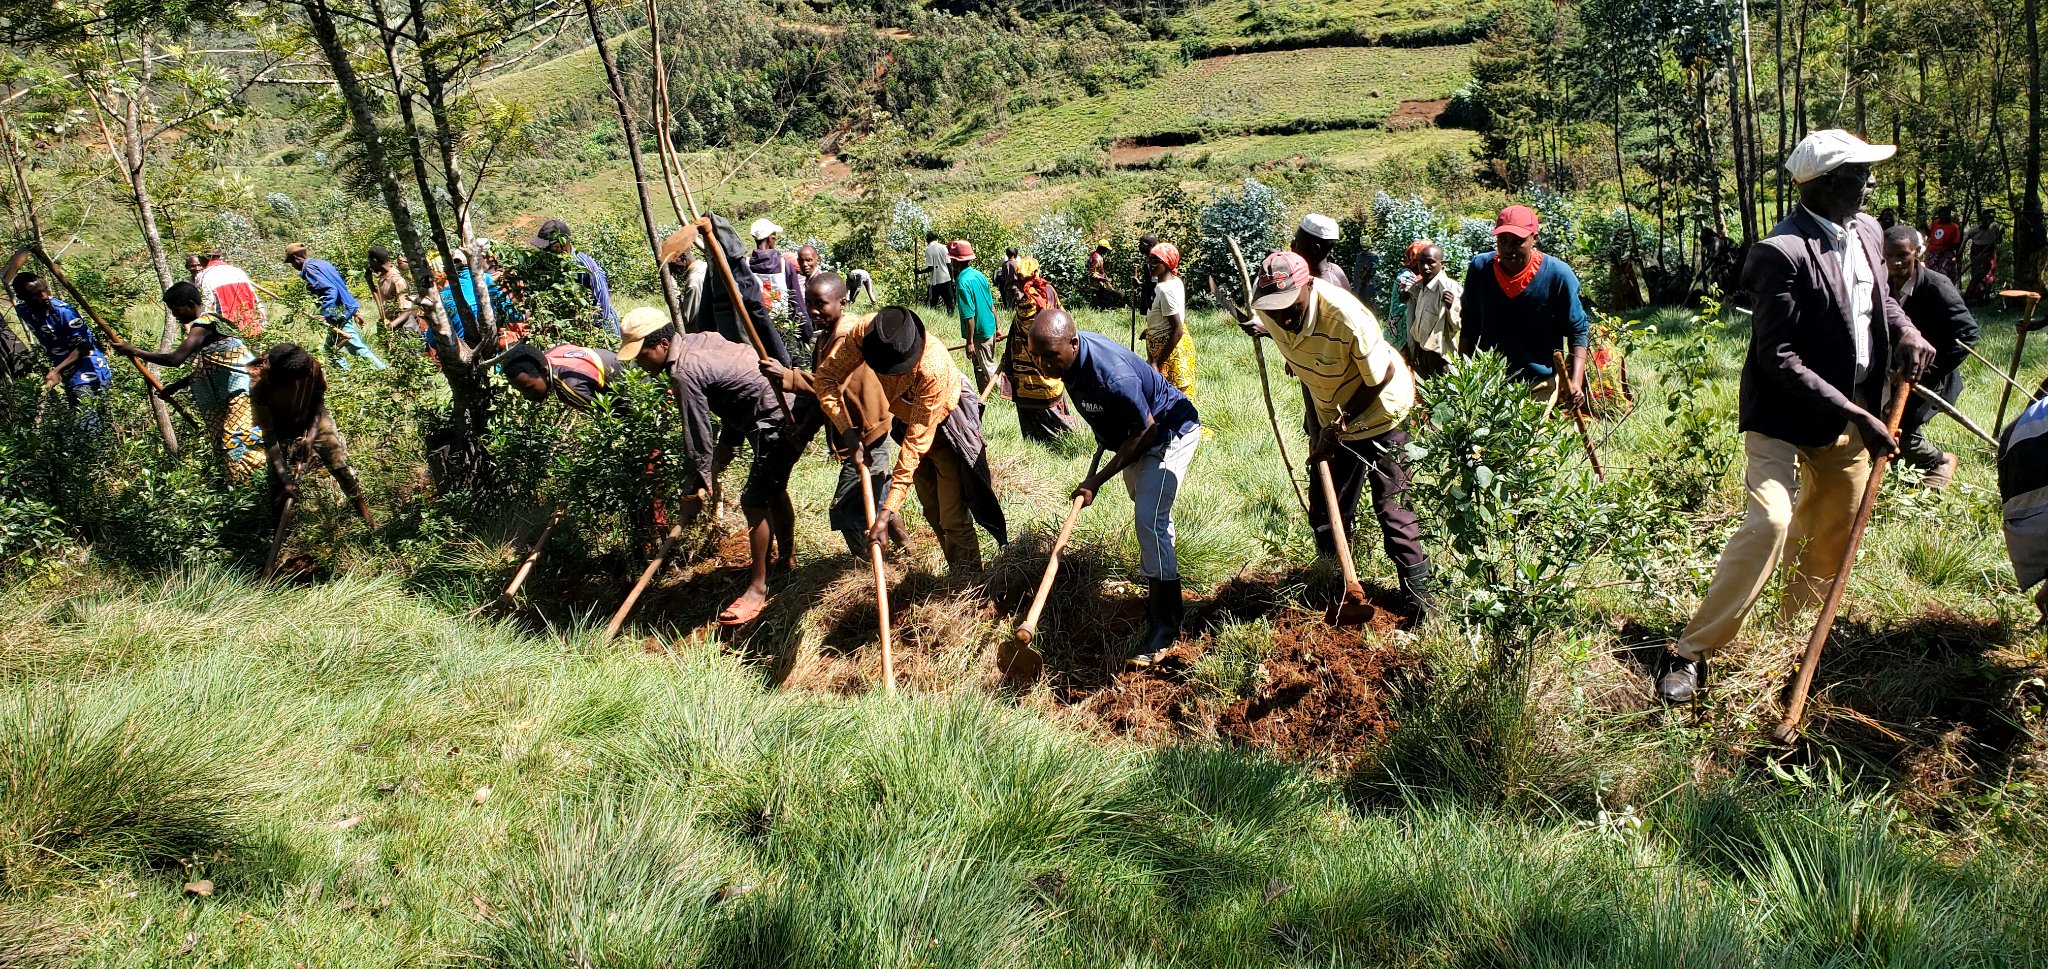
[(353, 340), (1153, 482), (88, 406)]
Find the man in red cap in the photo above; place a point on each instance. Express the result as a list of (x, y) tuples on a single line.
[(976, 301), (1361, 392), (1827, 332), (1523, 303)]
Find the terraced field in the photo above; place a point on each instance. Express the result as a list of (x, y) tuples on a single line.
[(1237, 19), (1279, 92)]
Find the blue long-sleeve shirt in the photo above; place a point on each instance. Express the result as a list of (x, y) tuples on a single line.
[(594, 279), (1530, 328), (337, 304)]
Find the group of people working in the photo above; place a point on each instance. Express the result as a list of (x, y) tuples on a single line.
[(1841, 306)]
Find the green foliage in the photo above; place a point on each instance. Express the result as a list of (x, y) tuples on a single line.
[(980, 225), (1061, 248), (1506, 488), (1254, 215), (603, 466), (1701, 445)]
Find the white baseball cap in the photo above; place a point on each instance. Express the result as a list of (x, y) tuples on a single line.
[(763, 229), (1821, 152), (1320, 226)]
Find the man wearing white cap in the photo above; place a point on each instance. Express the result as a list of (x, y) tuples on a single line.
[(1315, 240), (782, 282), (1825, 333)]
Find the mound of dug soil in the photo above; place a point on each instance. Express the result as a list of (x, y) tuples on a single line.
[(1322, 696)]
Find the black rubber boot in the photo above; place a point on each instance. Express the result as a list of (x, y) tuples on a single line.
[(1165, 610), (1419, 587)]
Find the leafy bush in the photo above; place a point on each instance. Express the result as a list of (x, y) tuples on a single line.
[(1518, 513), (908, 225), (96, 786), (1397, 223), (979, 224), (1061, 249), (600, 466), (1698, 454), (1253, 215)]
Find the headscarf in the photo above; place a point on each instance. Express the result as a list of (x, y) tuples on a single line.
[(1027, 267), (1413, 258), (1168, 255)]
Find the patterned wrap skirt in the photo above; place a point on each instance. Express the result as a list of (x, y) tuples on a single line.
[(220, 389)]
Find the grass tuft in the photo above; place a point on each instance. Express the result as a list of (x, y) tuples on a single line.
[(87, 786)]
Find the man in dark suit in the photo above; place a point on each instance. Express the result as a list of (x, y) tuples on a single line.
[(1813, 385), (1937, 311)]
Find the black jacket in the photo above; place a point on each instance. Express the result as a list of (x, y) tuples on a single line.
[(1798, 381), (1937, 311)]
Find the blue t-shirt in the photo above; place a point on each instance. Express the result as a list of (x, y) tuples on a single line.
[(1528, 329), (337, 304), (1116, 389), (465, 286), (59, 330)]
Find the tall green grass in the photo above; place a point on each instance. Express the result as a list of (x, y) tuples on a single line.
[(667, 809)]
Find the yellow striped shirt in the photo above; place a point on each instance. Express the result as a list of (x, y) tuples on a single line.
[(1338, 350)]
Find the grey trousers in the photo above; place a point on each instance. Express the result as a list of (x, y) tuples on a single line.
[(1153, 482), (848, 518)]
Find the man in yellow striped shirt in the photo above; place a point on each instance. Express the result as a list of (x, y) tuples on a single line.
[(1362, 392)]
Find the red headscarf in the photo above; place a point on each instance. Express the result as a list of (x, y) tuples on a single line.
[(1168, 255)]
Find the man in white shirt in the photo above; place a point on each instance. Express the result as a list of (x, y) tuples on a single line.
[(938, 270)]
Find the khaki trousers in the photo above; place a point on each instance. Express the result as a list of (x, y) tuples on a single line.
[(1801, 501), (940, 481)]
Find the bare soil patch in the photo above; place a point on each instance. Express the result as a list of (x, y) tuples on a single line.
[(1409, 115), (1128, 152)]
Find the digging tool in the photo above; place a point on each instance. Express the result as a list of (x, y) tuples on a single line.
[(2019, 346), (1986, 361), (867, 504), (1579, 418), (668, 544), (1788, 731), (1351, 609), (532, 557), (1950, 409), (709, 232), (284, 520), (1243, 315), (1027, 631)]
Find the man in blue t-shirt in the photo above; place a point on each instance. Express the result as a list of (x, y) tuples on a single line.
[(75, 357), (1152, 431), (1524, 304), (338, 306)]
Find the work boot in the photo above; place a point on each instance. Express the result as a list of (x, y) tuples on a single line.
[(1417, 585), (1165, 610), (1680, 679), (1940, 478)]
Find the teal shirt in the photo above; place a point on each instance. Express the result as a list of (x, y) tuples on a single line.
[(977, 305)]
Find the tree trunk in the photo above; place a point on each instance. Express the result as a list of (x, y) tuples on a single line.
[(363, 125), (132, 158), (2030, 230), (669, 294), (1778, 49)]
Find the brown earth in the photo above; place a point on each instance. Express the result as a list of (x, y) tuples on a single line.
[(1416, 114), (1127, 151)]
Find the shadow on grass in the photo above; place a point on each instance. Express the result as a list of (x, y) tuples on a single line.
[(1930, 701)]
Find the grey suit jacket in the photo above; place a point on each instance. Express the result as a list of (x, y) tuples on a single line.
[(1798, 380)]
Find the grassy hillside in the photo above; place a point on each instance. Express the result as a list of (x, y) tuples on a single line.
[(1231, 20)]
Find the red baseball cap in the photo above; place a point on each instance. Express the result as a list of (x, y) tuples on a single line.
[(1282, 276), (1517, 220)]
